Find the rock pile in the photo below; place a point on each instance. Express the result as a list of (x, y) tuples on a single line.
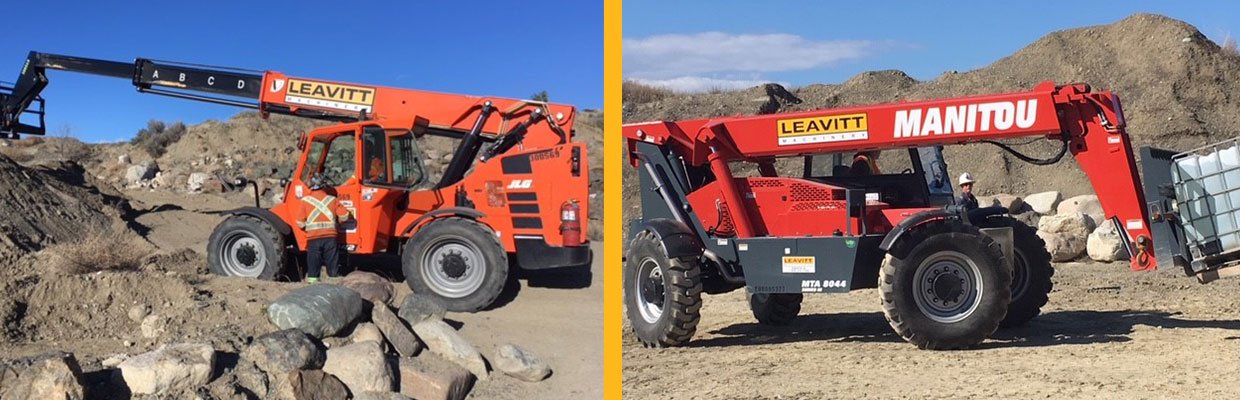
[(1072, 228)]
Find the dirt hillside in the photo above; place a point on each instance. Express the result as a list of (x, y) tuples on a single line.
[(1180, 90)]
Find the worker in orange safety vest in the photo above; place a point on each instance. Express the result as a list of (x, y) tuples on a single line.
[(319, 215)]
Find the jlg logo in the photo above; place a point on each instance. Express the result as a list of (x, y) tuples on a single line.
[(521, 184), (1000, 116)]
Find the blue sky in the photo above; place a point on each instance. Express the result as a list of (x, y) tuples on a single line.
[(702, 45), (498, 48)]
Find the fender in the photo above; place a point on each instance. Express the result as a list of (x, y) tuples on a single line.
[(443, 212), (909, 223), (266, 215), (678, 239)]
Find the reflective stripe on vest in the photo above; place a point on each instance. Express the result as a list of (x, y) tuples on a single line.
[(321, 208)]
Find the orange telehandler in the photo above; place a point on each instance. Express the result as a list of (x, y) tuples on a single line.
[(514, 192)]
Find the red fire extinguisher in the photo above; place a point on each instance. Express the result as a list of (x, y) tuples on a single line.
[(570, 223)]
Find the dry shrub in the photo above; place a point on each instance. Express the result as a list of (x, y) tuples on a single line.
[(1230, 47), (634, 92), (100, 250)]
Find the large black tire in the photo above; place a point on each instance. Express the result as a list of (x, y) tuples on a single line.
[(457, 260), (663, 297), (965, 292), (1031, 271), (246, 246), (775, 309)]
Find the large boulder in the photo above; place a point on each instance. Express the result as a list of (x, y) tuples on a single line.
[(51, 376), (366, 332), (417, 308), (1085, 204), (141, 172), (1075, 224), (280, 352), (169, 370), (1105, 244), (369, 285), (361, 366), (395, 330), (433, 378), (441, 339), (1044, 203), (318, 310), (521, 364), (1062, 247)]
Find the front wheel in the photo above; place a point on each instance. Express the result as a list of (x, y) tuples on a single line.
[(945, 286), (663, 296), (246, 246), (457, 260)]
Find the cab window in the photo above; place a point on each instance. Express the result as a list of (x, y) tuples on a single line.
[(391, 157), (333, 159)]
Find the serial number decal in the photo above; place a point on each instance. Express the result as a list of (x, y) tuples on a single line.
[(323, 94), (798, 264), (814, 285), (827, 128)]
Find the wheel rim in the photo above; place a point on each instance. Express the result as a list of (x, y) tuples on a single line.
[(650, 291), (1020, 274), (453, 267), (243, 255), (947, 286)]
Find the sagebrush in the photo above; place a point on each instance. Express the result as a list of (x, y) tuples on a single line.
[(99, 250), (157, 136)]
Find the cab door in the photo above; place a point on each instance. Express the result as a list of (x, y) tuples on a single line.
[(391, 165)]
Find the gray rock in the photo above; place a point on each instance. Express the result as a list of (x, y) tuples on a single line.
[(521, 364), (50, 376), (318, 310), (441, 339), (123, 159), (169, 370), (1014, 204), (137, 173), (197, 181), (287, 350), (395, 330), (1075, 224), (417, 308), (429, 377), (1044, 203), (1105, 245), (1085, 204), (370, 286), (1062, 247), (114, 360), (153, 326), (138, 312), (7, 377), (361, 366), (366, 332)]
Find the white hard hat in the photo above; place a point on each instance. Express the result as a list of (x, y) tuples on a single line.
[(966, 178)]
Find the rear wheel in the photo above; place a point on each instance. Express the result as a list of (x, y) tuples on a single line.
[(945, 286), (775, 309), (1031, 271), (663, 296), (458, 261), (246, 246)]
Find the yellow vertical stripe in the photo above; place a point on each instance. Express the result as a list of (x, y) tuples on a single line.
[(611, 185)]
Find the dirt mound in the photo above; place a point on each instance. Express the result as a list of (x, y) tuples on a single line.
[(1180, 90), (39, 209)]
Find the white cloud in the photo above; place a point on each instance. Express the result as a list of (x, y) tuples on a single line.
[(697, 54), (698, 84)]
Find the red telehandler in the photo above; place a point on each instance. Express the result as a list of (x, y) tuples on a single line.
[(518, 201), (947, 276)]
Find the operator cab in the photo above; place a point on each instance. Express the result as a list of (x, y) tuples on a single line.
[(916, 178)]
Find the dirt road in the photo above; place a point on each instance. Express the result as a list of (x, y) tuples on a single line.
[(1107, 333)]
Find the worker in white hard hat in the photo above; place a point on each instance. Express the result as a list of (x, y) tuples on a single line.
[(967, 199)]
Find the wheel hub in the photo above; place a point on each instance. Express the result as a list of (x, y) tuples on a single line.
[(247, 254), (650, 290), (947, 287), (454, 265)]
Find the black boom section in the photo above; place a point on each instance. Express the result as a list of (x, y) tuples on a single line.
[(187, 81)]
